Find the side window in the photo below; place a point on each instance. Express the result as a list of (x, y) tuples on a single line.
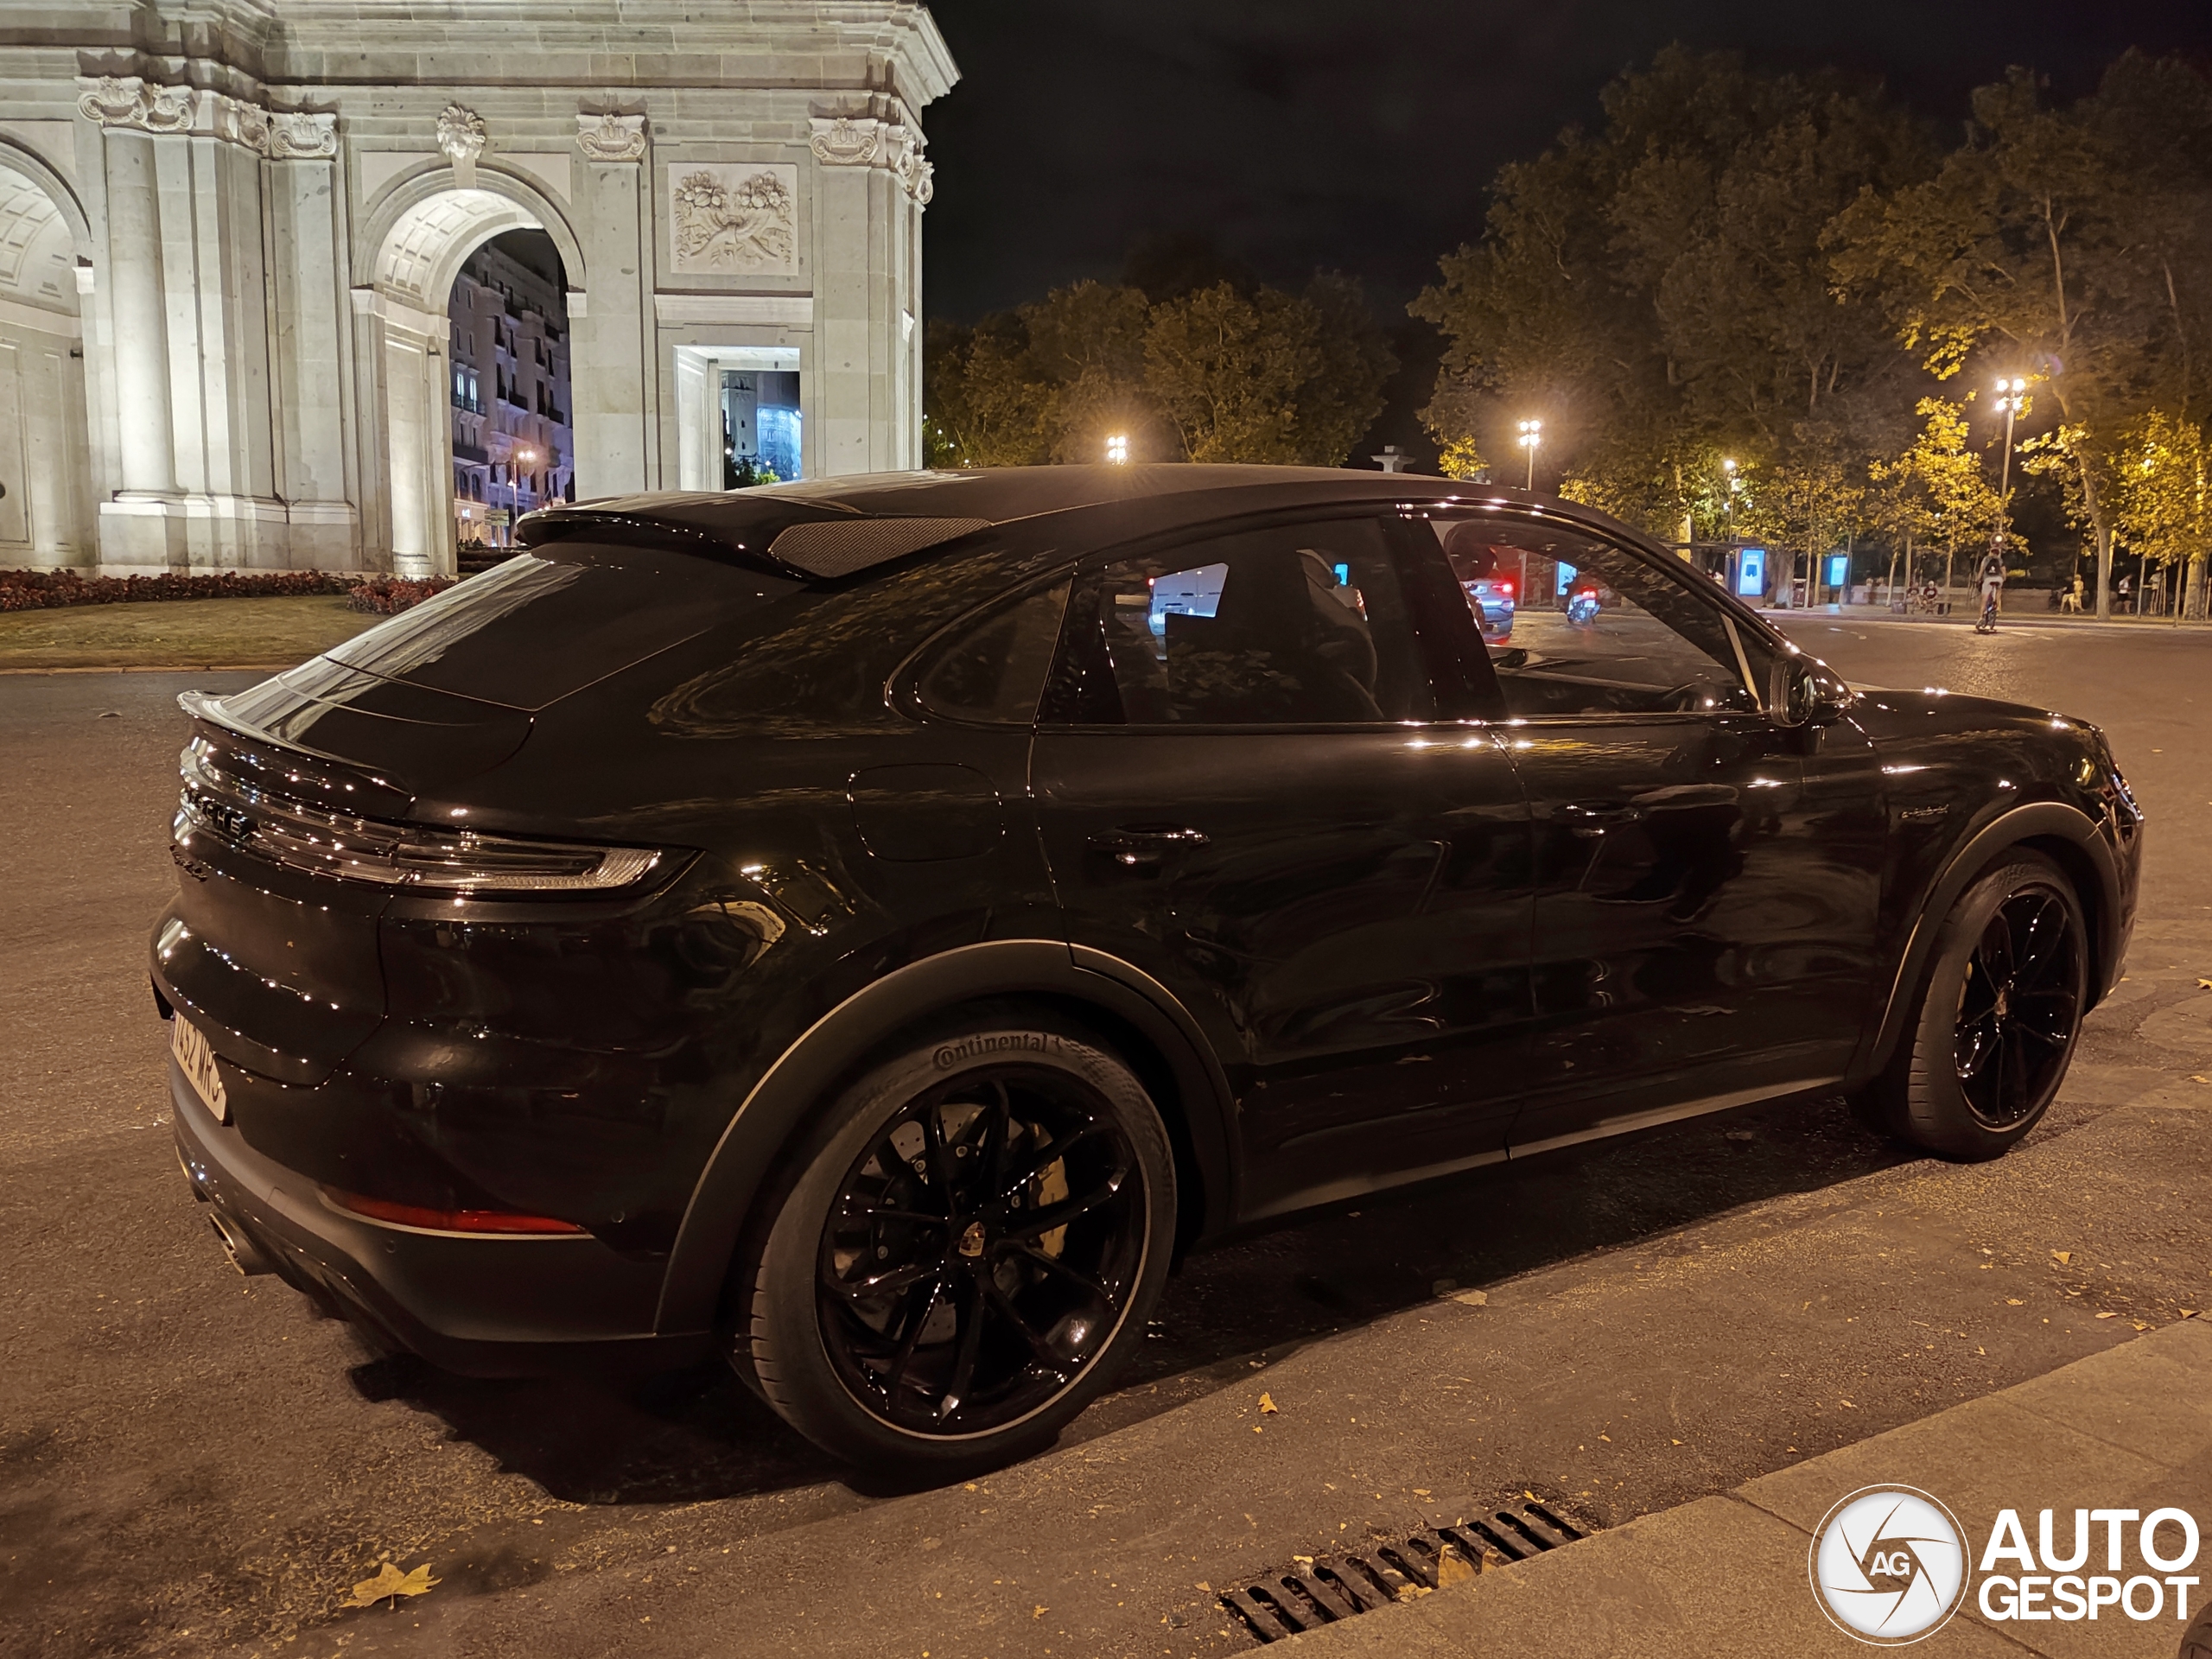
[(1577, 626), (1295, 625), (992, 670)]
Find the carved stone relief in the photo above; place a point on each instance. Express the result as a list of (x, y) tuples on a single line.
[(460, 136), (733, 218), (611, 137)]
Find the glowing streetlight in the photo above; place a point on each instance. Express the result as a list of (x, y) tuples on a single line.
[(2011, 403), (1117, 450), (1532, 434), (1728, 467), (514, 488)]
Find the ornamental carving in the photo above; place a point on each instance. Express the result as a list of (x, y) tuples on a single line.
[(460, 136), (844, 142), (236, 123), (866, 141), (612, 138), (129, 101), (732, 219), (295, 135)]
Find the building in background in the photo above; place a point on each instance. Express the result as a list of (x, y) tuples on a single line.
[(513, 448), (231, 233)]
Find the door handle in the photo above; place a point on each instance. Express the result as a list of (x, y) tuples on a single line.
[(1137, 845), (1594, 817)]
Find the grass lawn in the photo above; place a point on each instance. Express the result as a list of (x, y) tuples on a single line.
[(179, 634)]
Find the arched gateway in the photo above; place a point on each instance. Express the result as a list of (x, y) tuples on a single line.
[(228, 241)]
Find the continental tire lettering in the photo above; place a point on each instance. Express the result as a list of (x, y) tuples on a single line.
[(992, 1042)]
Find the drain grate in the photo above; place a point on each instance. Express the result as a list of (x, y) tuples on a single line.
[(1332, 1587)]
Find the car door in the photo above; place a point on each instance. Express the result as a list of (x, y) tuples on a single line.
[(1705, 887), (1251, 783)]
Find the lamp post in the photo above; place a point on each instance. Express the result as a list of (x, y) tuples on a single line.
[(1117, 450), (1532, 434), (2011, 404), (514, 489)]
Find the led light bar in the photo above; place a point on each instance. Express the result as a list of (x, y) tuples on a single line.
[(449, 1221), (240, 814)]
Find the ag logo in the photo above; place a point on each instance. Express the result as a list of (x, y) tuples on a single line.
[(1889, 1565)]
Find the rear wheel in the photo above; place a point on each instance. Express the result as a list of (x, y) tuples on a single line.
[(2000, 1014), (977, 1231)]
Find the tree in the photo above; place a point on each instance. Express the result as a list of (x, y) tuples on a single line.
[(1657, 293), (1936, 494), (2037, 249), (1216, 374), (2161, 508)]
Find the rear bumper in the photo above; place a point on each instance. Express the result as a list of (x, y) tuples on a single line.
[(485, 1306)]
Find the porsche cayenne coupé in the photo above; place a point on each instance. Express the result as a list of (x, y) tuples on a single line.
[(873, 927)]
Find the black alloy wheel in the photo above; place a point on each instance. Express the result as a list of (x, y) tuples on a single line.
[(1999, 1012), (2019, 1007), (970, 1241), (982, 1251)]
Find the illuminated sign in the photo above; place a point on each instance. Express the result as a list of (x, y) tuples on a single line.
[(1750, 572)]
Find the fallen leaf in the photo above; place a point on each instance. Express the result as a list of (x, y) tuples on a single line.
[(389, 1584), (1471, 1298), (2140, 1325), (2107, 1316), (2189, 1312), (1848, 1403), (1607, 1439), (1414, 1591), (2202, 984), (2014, 1302), (1203, 1584), (1040, 1613), (1451, 1567), (1266, 1404), (1420, 1491), (2197, 1078), (2062, 1256)]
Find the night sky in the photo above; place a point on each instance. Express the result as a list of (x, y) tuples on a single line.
[(1361, 135)]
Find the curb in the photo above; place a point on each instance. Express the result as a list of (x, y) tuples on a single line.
[(1729, 1574)]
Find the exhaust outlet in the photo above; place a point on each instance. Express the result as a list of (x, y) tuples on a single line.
[(246, 1255)]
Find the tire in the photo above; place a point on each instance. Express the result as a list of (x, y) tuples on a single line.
[(1999, 1017), (985, 1338)]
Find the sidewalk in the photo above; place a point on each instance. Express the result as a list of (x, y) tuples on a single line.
[(1729, 1575), (1966, 617)]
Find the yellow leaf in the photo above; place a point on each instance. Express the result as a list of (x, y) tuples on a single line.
[(391, 1583), (2014, 1302), (1451, 1567), (1266, 1403), (2062, 1256), (1040, 1613), (2107, 1316), (2205, 984)]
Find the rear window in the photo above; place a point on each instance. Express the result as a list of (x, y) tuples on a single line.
[(549, 622)]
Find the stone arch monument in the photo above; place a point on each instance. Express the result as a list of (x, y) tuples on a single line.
[(228, 233)]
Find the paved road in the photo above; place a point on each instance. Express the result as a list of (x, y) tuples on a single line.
[(191, 1463)]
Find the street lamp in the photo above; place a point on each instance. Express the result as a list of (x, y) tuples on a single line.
[(514, 489), (2011, 403), (1117, 450), (1532, 434), (1734, 485)]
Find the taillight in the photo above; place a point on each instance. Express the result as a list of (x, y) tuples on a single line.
[(448, 1221), (1505, 588), (308, 838)]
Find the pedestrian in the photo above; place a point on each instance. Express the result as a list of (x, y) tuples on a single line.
[(1992, 589), (2123, 591), (2071, 599)]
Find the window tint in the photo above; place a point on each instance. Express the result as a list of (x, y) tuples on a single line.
[(1295, 624), (992, 669), (539, 626), (1576, 626)]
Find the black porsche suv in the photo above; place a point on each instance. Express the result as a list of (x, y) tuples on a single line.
[(875, 926)]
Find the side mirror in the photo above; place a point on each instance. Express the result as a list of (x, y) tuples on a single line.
[(1804, 693)]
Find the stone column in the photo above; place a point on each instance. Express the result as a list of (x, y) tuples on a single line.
[(870, 180), (611, 358), (312, 359), (138, 525)]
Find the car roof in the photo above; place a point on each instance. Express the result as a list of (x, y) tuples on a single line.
[(829, 528)]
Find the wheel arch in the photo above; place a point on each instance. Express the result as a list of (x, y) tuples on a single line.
[(2065, 835), (1156, 1034)]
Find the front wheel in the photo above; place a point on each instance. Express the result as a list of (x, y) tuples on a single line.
[(975, 1235), (2000, 1014)]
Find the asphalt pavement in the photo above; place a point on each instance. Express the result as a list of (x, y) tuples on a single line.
[(191, 1463)]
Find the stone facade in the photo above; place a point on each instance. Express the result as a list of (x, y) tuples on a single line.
[(229, 232)]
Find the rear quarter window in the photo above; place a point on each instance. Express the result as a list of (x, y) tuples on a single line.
[(992, 669), (552, 620)]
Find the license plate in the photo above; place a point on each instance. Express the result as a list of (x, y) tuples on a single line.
[(198, 1062)]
